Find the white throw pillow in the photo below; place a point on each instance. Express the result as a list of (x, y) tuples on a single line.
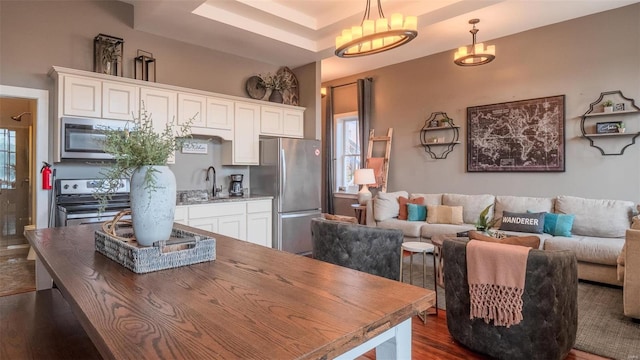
[(595, 217), (472, 205), (385, 205), (429, 199)]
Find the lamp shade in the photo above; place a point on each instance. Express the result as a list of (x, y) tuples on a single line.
[(364, 177)]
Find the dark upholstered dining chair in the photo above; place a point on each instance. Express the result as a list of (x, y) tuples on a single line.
[(550, 307), (368, 249)]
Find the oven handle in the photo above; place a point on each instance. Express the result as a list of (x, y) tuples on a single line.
[(71, 222), (108, 215)]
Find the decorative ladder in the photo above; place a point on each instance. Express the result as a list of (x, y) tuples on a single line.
[(381, 174)]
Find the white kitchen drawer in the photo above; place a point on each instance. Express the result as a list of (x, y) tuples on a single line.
[(181, 214), (258, 206), (220, 209)]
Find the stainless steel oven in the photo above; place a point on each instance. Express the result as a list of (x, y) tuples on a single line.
[(83, 138), (75, 204)]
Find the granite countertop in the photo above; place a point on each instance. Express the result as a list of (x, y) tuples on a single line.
[(195, 197)]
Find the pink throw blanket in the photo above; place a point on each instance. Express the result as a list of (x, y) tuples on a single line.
[(496, 274), (377, 164)]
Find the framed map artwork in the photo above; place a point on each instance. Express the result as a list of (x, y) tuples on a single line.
[(524, 136)]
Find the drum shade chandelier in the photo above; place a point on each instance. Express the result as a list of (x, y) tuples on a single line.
[(372, 37), (476, 54)]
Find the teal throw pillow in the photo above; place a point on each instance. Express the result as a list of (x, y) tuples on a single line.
[(558, 224), (416, 212)]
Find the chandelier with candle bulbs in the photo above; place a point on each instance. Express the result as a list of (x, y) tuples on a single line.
[(476, 54), (372, 37)]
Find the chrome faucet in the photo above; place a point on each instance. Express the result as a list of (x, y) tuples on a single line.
[(214, 189)]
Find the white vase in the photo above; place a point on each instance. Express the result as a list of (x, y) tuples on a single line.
[(106, 67), (152, 209), (608, 109)]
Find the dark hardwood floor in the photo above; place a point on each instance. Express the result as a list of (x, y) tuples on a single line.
[(433, 341)]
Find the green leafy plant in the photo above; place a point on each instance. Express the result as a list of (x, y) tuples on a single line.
[(607, 103), (279, 81), (483, 222), (620, 125), (138, 145)]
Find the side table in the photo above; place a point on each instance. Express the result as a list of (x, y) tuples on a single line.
[(424, 248), (361, 213)]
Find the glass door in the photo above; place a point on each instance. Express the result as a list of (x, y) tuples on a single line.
[(15, 189)]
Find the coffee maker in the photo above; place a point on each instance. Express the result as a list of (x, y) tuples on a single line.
[(235, 188)]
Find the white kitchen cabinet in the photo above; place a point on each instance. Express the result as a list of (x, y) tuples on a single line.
[(181, 215), (259, 222), (244, 149), (249, 220), (160, 105), (82, 96), (276, 121), (293, 123), (192, 106), (228, 219), (271, 120), (220, 113), (119, 101), (234, 226), (220, 117), (207, 224), (217, 115), (238, 121)]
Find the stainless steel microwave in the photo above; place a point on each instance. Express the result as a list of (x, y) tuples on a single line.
[(83, 138)]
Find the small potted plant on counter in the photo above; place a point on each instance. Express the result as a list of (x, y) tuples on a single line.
[(607, 106), (621, 128)]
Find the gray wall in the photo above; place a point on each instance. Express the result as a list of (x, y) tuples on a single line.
[(310, 98), (35, 35), (579, 58)]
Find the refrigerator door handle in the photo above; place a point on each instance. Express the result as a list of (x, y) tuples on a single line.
[(283, 177)]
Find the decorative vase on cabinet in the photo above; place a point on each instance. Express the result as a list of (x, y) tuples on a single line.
[(152, 207), (276, 96)]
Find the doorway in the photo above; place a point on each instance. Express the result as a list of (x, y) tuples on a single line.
[(17, 272), (15, 178)]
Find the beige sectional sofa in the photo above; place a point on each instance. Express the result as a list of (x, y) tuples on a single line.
[(597, 235), (629, 271)]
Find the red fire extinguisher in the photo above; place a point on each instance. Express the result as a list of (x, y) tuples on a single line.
[(46, 175)]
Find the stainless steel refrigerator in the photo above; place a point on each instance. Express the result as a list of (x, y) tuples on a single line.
[(290, 171)]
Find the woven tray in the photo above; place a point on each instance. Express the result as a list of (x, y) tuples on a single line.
[(183, 248)]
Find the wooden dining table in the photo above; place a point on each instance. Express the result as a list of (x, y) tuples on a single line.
[(251, 302)]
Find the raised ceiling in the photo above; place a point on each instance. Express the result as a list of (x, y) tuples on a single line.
[(297, 32)]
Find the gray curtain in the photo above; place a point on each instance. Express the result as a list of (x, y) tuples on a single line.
[(364, 115), (329, 156), (364, 119)]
